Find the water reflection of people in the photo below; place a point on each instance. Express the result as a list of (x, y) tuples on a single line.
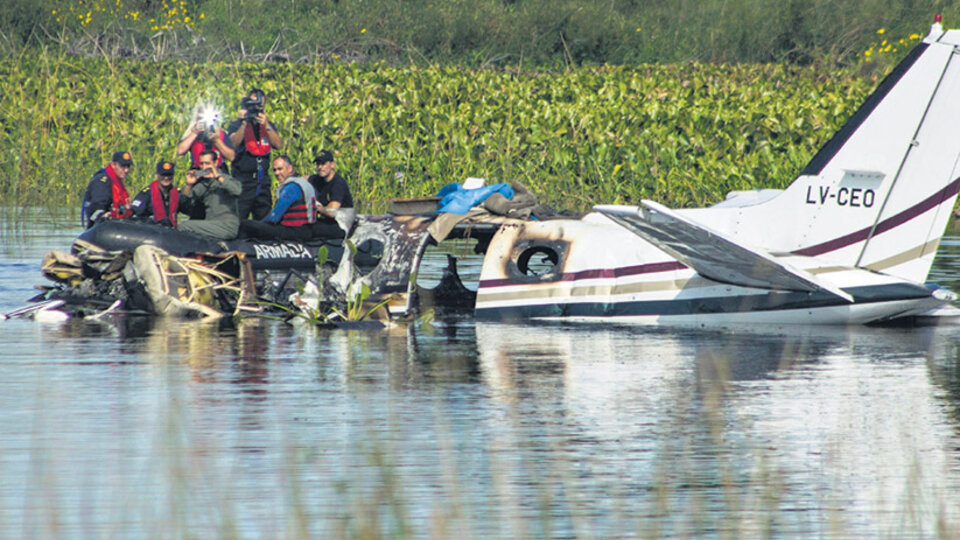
[(215, 350), (196, 344), (252, 356)]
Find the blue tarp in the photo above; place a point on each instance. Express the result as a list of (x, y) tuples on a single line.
[(456, 200)]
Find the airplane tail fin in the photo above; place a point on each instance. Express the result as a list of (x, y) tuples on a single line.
[(880, 193)]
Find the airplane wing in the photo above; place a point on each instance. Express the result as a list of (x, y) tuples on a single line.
[(712, 254)]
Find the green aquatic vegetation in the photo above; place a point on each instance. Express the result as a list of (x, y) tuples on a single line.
[(684, 134), (478, 33), (357, 308)]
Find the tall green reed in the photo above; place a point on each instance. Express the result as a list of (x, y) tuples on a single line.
[(555, 33)]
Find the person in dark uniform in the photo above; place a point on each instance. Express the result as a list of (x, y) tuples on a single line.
[(217, 193), (159, 201), (204, 135), (335, 212), (253, 136), (295, 211), (106, 196)]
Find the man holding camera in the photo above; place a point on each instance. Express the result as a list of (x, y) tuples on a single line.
[(106, 197), (160, 200), (253, 136), (204, 135), (217, 193)]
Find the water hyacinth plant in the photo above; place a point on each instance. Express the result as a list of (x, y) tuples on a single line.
[(541, 101), (683, 134)]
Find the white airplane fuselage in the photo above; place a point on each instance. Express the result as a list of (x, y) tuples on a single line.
[(851, 240), (608, 274)]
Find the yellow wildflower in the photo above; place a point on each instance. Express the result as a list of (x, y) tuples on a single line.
[(363, 30), (881, 31)]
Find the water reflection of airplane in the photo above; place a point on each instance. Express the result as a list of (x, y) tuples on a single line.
[(612, 360), (748, 352), (626, 375), (820, 413), (851, 240)]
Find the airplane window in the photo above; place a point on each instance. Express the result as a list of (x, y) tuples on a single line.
[(538, 261)]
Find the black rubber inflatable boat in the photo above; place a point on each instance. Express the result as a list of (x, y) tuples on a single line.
[(124, 235)]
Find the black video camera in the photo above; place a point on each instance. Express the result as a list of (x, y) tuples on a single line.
[(253, 106)]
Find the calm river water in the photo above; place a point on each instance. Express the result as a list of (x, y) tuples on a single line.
[(161, 428)]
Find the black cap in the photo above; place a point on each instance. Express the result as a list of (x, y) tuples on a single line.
[(325, 156), (165, 168), (123, 158)]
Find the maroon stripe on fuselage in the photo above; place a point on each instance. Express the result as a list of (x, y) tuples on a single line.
[(890, 223), (894, 221), (602, 273)]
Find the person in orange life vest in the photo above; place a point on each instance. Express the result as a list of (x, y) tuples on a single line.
[(252, 135), (335, 212), (160, 200), (106, 196), (295, 211), (204, 135)]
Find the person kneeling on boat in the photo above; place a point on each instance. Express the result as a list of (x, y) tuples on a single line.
[(106, 196), (217, 193), (159, 201), (294, 212)]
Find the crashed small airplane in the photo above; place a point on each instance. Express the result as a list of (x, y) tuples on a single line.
[(850, 241)]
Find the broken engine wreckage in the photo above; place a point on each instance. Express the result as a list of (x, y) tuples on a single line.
[(144, 268)]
